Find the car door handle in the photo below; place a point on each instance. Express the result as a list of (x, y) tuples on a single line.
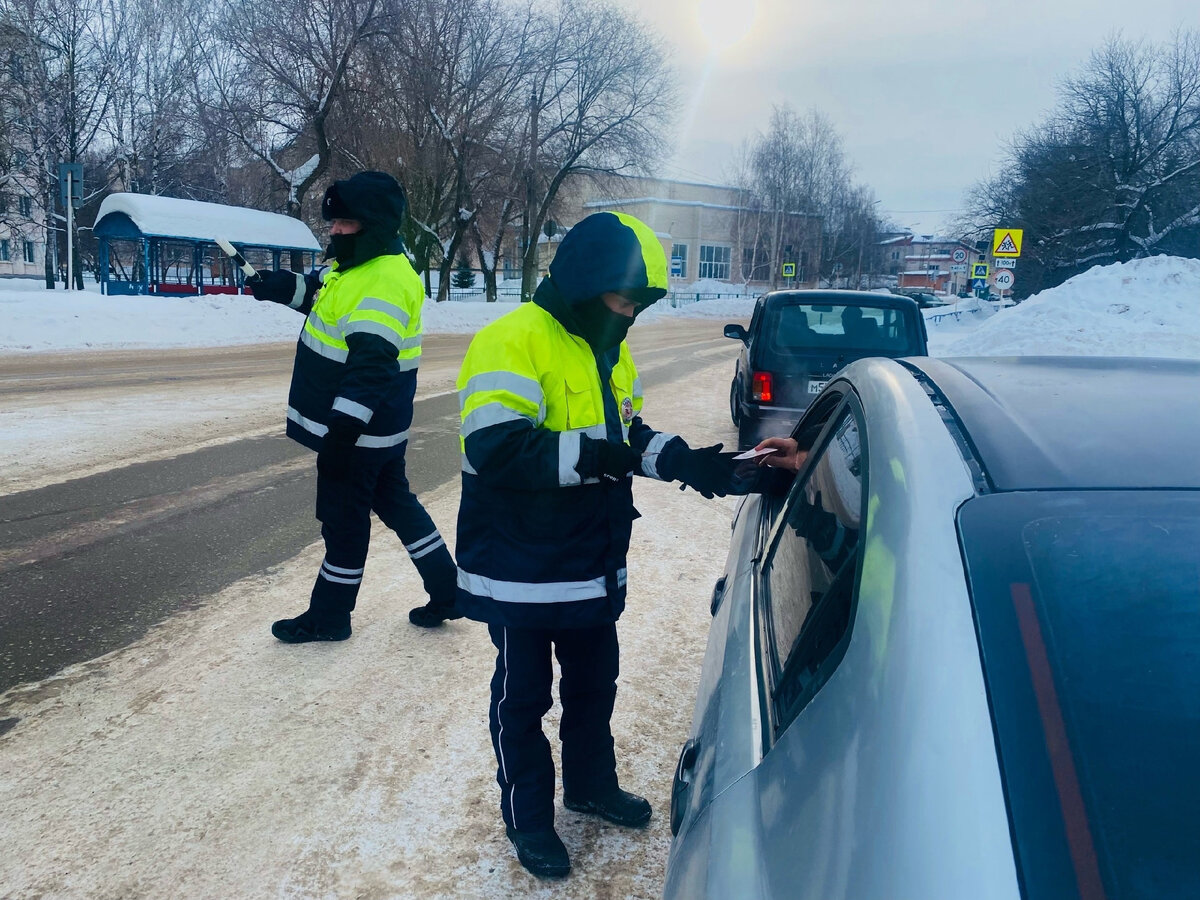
[(682, 781)]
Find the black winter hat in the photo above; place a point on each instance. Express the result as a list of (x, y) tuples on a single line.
[(374, 198)]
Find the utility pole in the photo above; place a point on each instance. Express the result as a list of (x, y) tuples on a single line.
[(70, 185)]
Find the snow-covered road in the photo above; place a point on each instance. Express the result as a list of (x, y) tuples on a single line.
[(209, 760)]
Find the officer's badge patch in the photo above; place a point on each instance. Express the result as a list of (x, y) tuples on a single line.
[(627, 410)]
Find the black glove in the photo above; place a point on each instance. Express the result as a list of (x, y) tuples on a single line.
[(606, 459), (335, 459), (706, 470), (277, 286)]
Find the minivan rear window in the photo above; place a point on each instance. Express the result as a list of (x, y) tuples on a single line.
[(794, 329)]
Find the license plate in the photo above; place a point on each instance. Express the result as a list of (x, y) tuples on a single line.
[(815, 387)]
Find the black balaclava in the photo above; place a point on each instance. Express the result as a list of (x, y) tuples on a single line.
[(602, 328), (377, 201)]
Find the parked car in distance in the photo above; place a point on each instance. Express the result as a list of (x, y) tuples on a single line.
[(925, 299), (797, 340), (954, 656)]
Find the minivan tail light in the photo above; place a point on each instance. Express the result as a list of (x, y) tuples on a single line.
[(761, 387)]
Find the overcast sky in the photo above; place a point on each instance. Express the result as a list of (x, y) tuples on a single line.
[(924, 92)]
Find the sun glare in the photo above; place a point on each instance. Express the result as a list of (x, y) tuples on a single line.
[(724, 23)]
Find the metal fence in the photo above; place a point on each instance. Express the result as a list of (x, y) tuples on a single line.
[(513, 295)]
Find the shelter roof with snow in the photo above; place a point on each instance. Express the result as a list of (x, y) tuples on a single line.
[(164, 245), (170, 217)]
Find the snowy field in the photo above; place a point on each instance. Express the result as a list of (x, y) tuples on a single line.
[(208, 760)]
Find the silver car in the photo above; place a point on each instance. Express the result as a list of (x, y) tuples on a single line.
[(958, 655)]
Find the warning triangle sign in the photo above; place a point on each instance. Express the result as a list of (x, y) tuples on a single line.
[(1006, 245)]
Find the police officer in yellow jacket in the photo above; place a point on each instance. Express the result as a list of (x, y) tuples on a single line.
[(351, 400), (551, 434)]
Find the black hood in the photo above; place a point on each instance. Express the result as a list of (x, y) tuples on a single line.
[(378, 202), (375, 199)]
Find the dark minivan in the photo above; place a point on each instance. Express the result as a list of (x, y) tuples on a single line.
[(798, 339)]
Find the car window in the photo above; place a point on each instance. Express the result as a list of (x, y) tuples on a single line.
[(796, 328), (1087, 608), (810, 574)]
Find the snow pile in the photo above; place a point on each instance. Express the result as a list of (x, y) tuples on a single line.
[(735, 309), (37, 319), (1146, 307), (711, 286)]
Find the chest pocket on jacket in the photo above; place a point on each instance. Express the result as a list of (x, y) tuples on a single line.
[(581, 405), (622, 388)]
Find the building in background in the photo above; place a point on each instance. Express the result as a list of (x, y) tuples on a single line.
[(708, 231), (927, 262), (22, 213)]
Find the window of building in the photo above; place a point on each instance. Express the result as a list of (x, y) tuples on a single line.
[(756, 263), (679, 260), (714, 262), (29, 251), (811, 574), (4, 251), (25, 204), (895, 254)]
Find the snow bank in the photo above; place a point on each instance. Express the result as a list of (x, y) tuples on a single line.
[(39, 320), (1147, 307)]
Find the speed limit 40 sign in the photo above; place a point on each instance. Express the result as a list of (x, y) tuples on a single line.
[(1005, 280)]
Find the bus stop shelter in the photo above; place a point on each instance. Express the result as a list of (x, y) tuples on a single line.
[(163, 245)]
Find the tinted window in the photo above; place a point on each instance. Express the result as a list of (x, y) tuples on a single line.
[(1088, 609), (810, 575), (795, 328)]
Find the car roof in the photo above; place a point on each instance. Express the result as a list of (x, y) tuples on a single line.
[(843, 298), (1054, 423)]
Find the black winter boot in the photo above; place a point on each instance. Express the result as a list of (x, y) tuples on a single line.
[(432, 614), (617, 806), (305, 628), (541, 852)]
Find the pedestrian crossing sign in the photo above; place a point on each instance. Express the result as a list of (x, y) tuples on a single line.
[(789, 270), (979, 270), (1007, 242)]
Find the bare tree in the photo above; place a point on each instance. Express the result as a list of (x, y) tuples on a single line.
[(1114, 172), (464, 63), (811, 209), (152, 127), (275, 70), (597, 103)]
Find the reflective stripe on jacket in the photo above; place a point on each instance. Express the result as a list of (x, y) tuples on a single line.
[(357, 355), (538, 546)]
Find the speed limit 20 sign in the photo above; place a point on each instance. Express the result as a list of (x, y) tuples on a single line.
[(1005, 280), (959, 255)]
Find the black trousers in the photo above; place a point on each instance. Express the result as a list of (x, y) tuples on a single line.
[(588, 658), (344, 509)]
